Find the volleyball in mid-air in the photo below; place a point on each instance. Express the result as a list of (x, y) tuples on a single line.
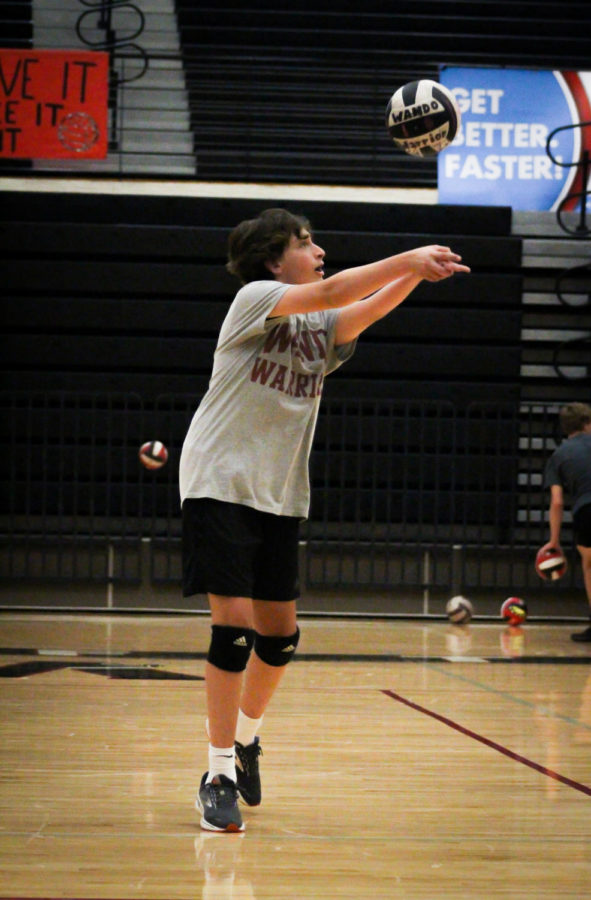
[(422, 117), (153, 454)]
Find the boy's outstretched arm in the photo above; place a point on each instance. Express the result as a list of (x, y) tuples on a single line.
[(354, 319), (431, 263)]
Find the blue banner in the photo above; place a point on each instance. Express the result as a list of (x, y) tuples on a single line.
[(499, 155)]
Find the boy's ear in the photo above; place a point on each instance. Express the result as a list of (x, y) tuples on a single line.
[(273, 266)]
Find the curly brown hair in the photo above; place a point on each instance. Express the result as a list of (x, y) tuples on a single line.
[(255, 242)]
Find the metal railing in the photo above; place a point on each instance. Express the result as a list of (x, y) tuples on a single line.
[(101, 12), (580, 193), (417, 494), (574, 348), (150, 131)]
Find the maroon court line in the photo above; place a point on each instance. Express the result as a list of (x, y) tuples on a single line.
[(478, 737)]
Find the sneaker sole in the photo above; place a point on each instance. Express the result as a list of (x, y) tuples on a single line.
[(232, 828)]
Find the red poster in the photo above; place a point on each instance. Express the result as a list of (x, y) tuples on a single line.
[(53, 104)]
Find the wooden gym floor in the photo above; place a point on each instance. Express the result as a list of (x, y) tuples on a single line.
[(402, 759)]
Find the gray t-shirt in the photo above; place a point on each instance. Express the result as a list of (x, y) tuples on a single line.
[(250, 439), (570, 467)]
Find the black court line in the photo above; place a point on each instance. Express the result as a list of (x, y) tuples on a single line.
[(493, 744), (107, 669), (303, 657)]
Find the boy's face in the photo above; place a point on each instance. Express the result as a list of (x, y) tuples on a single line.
[(301, 262)]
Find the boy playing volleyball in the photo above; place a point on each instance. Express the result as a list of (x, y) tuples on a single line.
[(569, 470), (244, 469)]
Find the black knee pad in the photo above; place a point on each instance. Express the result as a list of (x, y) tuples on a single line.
[(230, 647), (276, 651)]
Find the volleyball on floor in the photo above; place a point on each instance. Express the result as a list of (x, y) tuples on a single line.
[(514, 611), (153, 454), (422, 117), (459, 610), (550, 564)]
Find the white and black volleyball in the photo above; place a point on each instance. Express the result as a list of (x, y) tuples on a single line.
[(422, 117), (459, 610), (153, 454)]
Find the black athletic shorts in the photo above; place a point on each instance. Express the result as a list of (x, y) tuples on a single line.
[(582, 523), (236, 551)]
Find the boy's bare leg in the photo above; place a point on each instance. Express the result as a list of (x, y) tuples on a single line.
[(585, 554), (261, 680), (223, 688)]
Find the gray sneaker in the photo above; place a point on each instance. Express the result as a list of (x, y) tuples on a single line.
[(247, 771), (217, 801)]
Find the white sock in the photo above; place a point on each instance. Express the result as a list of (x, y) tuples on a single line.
[(247, 729), (221, 762)]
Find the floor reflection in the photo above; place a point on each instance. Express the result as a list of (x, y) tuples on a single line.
[(218, 856)]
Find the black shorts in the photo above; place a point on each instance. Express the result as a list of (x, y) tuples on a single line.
[(582, 523), (236, 551)]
